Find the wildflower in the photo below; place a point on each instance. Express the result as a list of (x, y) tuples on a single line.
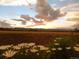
[(26, 51), (53, 49), (34, 47), (59, 48), (56, 44), (68, 47), (16, 47), (77, 45), (37, 53), (22, 44), (76, 48), (55, 40), (34, 50), (42, 47), (31, 44), (21, 53), (9, 53), (5, 47), (48, 51)]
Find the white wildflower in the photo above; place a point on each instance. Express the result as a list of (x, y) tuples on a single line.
[(55, 40), (9, 53), (77, 45), (76, 48), (16, 47), (59, 48), (56, 44), (34, 47), (34, 50), (68, 47), (5, 47), (37, 53), (31, 44), (22, 44), (53, 49), (43, 47), (26, 51), (48, 51)]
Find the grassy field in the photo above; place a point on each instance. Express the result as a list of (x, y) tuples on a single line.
[(38, 37)]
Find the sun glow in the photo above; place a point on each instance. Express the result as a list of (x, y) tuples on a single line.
[(61, 23)]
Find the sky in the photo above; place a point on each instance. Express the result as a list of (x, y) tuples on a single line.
[(15, 8)]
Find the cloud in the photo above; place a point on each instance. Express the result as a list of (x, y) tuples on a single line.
[(46, 11), (71, 7), (17, 2), (61, 0)]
